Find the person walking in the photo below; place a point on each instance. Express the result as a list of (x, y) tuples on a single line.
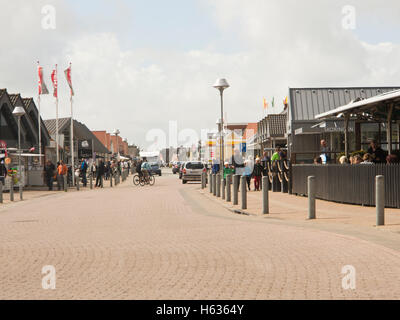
[(258, 171), (62, 170), (238, 162), (247, 172), (83, 172), (100, 174), (49, 169), (3, 172), (228, 170)]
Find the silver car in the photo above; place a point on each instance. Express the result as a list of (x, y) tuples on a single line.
[(192, 171)]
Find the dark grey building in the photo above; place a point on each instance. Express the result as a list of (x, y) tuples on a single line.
[(304, 132)]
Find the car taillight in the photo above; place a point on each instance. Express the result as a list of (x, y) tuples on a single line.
[(184, 171)]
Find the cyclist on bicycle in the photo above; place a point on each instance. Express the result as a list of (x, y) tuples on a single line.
[(139, 168), (146, 170)]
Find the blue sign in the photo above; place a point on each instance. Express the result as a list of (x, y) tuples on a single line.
[(243, 147)]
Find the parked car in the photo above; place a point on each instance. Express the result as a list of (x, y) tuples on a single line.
[(175, 167), (192, 171), (155, 169)]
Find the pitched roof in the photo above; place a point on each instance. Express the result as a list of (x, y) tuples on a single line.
[(2, 91), (306, 103), (27, 101), (277, 125), (81, 132), (14, 97)]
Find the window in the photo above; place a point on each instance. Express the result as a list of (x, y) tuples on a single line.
[(194, 165)]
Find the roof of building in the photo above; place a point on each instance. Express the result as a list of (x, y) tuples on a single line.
[(375, 108), (277, 125), (306, 103), (81, 132), (14, 97)]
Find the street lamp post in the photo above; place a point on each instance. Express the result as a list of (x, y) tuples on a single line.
[(221, 85), (19, 112), (117, 132)]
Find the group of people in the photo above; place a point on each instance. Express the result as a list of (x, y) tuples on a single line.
[(143, 168), (375, 155), (250, 169), (101, 171)]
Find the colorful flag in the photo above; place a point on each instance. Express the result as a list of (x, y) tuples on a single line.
[(54, 81), (285, 101), (68, 77), (42, 85), (273, 102), (265, 103)]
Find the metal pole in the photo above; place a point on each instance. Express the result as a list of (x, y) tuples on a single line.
[(210, 182), (203, 180), (40, 130), (222, 157), (19, 159), (228, 188), (265, 191), (214, 184), (57, 152), (1, 191), (243, 192), (380, 200), (12, 189), (236, 182), (91, 180), (77, 183), (311, 198), (111, 178), (72, 142), (65, 177), (223, 183), (218, 193), (101, 181)]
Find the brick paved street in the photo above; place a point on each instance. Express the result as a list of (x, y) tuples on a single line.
[(172, 242)]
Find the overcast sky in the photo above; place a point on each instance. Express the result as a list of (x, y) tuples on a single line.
[(138, 64)]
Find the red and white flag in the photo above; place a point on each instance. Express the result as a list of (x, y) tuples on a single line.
[(54, 81), (42, 85), (68, 76)]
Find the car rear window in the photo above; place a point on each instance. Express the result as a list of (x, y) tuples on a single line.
[(194, 165)]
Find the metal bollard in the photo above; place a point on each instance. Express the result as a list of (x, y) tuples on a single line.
[(65, 183), (380, 200), (101, 181), (218, 193), (203, 180), (236, 182), (77, 183), (111, 179), (91, 181), (243, 191), (228, 187), (223, 188), (20, 187), (265, 191), (311, 198), (214, 182), (210, 182), (12, 189), (1, 192)]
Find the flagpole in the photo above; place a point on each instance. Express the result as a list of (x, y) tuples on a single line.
[(72, 145), (39, 122), (57, 147)]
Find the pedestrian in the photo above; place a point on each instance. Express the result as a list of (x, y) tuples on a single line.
[(62, 170), (228, 170), (3, 172), (377, 153), (258, 171), (139, 168), (247, 172), (99, 174), (83, 172), (238, 162), (49, 169)]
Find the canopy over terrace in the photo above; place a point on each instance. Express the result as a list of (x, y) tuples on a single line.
[(381, 108)]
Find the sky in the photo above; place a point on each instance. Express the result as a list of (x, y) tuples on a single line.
[(138, 65)]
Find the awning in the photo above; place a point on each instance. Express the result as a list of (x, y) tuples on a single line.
[(375, 106)]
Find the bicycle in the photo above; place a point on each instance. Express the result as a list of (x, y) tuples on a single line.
[(143, 181)]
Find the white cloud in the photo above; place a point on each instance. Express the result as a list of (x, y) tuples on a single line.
[(283, 43)]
